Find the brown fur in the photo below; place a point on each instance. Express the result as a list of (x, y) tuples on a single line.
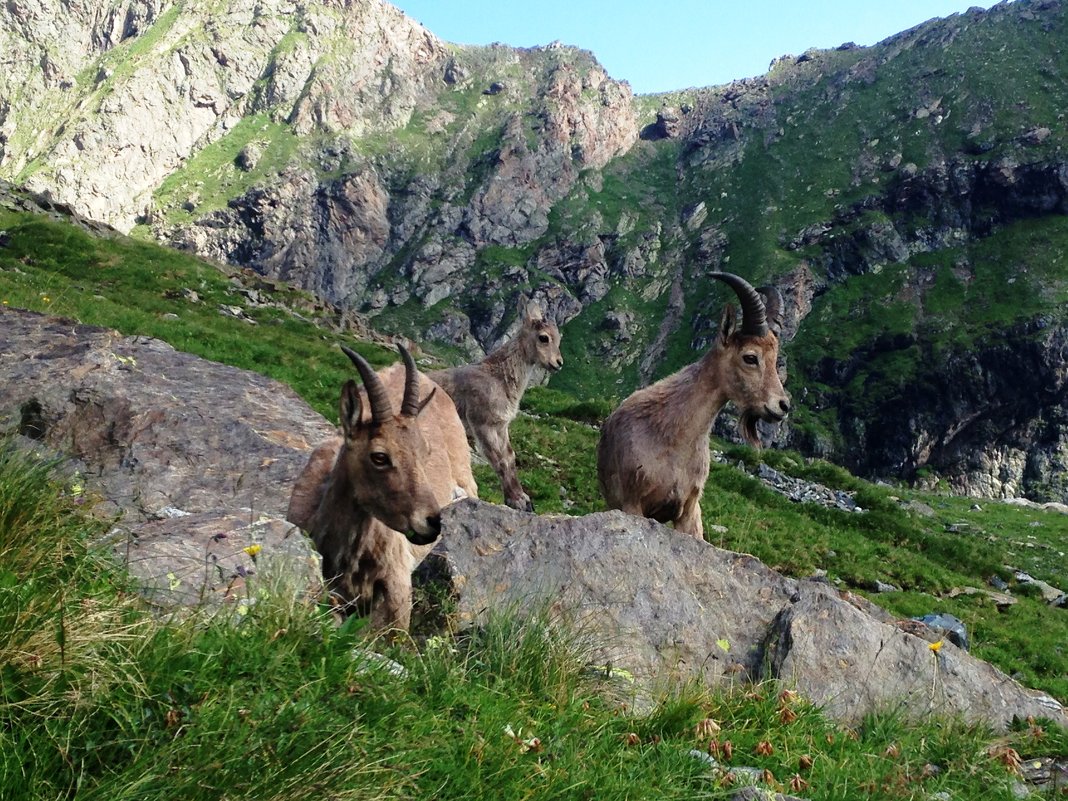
[(487, 395), (355, 511), (653, 454)]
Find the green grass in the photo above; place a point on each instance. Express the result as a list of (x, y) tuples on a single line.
[(99, 700), (212, 177), (140, 288)]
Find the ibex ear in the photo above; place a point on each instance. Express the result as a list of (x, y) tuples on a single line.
[(531, 311), (350, 409), (728, 323), (425, 401)]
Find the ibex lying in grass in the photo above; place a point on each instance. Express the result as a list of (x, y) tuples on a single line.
[(389, 473), (653, 454), (487, 394)]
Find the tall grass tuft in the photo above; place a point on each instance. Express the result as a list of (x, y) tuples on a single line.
[(65, 633), (270, 700)]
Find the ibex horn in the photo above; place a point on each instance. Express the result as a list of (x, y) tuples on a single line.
[(381, 408), (754, 315), (773, 307), (410, 405)]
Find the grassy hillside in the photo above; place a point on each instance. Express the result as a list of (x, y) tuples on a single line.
[(276, 707), (139, 288), (98, 700), (875, 145)]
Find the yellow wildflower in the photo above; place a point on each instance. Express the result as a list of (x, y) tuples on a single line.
[(935, 646), (253, 549)]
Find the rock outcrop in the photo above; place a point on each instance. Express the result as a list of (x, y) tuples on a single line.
[(667, 605), (990, 421), (192, 459), (167, 82)]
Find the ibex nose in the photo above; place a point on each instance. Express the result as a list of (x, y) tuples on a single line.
[(784, 404), (427, 533)]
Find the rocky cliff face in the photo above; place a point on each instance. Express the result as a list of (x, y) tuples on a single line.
[(140, 88), (910, 199), (384, 232), (991, 421), (986, 414), (319, 142)]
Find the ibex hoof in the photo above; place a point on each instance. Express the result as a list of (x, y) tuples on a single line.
[(522, 504)]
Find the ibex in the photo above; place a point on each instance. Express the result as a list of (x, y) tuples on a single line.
[(653, 454), (487, 394), (371, 499)]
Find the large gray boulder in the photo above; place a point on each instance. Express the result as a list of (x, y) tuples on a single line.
[(666, 605), (194, 460), (851, 662), (652, 596), (151, 427)]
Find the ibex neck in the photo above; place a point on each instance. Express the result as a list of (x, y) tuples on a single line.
[(344, 513), (702, 394), (507, 364)]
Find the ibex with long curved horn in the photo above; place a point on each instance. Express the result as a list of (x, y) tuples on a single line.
[(653, 454), (371, 499)]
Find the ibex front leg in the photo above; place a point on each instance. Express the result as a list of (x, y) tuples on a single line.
[(497, 448), (689, 521)]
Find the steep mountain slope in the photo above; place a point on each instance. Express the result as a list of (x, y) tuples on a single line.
[(909, 198), (318, 142)]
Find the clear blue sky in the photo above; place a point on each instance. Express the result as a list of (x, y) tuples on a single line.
[(675, 44)]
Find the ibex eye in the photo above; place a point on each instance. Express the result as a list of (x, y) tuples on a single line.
[(543, 338), (750, 358), (380, 459)]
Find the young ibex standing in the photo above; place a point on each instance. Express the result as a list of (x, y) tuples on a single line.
[(653, 455), (390, 472), (487, 394)]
